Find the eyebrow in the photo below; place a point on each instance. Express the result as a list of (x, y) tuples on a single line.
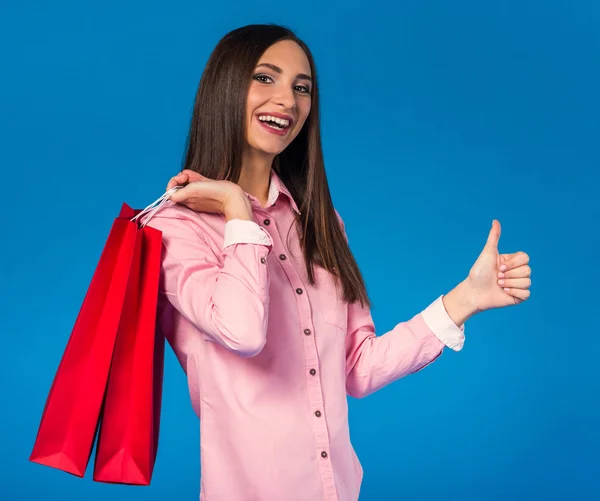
[(277, 69)]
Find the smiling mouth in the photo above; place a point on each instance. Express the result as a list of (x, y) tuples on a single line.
[(275, 123)]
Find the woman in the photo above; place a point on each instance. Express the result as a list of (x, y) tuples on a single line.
[(262, 300)]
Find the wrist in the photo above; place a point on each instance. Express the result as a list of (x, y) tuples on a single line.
[(237, 206), (460, 303)]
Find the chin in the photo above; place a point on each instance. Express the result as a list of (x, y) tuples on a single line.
[(273, 151), (269, 149)]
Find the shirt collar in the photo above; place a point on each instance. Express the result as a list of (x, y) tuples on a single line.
[(276, 188)]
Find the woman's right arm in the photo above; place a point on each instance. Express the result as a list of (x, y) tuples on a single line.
[(227, 299)]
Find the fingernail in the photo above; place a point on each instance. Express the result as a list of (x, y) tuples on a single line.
[(501, 282), (506, 289), (500, 275), (503, 267)]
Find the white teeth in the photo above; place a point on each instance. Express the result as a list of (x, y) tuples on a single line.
[(268, 118)]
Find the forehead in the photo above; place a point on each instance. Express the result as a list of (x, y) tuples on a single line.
[(288, 55)]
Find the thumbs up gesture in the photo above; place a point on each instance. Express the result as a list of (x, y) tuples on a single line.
[(497, 280)]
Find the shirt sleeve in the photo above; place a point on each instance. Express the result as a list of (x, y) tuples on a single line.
[(373, 362), (437, 319), (226, 297), (239, 231)]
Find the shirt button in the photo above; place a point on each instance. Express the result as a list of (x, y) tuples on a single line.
[(323, 454), (307, 332), (282, 257), (312, 372), (263, 260), (298, 290), (267, 222), (318, 413)]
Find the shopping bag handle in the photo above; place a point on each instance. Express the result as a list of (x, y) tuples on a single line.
[(154, 207)]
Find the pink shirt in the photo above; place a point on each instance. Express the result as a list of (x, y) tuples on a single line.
[(270, 358)]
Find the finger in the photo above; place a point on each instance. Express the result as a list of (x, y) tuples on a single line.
[(191, 172), (180, 195), (515, 260), (519, 294), (193, 176), (494, 235), (179, 179), (519, 272), (515, 283), (174, 181)]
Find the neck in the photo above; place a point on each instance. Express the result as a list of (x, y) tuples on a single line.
[(255, 176)]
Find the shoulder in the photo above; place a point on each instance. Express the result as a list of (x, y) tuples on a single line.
[(177, 221)]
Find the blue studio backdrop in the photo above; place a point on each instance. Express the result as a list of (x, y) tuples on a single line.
[(437, 118)]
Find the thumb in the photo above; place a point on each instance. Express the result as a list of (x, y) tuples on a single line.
[(494, 236), (180, 195)]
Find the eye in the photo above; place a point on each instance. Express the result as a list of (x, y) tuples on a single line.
[(303, 89), (260, 78)]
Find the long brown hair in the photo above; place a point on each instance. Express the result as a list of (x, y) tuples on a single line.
[(216, 141)]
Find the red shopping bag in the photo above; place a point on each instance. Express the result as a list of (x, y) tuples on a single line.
[(130, 421), (69, 421), (112, 366)]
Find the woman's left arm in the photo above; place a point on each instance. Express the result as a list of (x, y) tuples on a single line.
[(494, 281)]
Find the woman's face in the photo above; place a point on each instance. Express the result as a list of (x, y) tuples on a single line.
[(279, 98)]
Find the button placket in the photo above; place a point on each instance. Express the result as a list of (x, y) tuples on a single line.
[(315, 392)]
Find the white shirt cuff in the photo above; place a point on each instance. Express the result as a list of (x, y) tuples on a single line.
[(241, 231), (437, 319)]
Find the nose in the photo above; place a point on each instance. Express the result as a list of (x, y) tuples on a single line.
[(286, 98)]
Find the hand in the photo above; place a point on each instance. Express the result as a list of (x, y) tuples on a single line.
[(202, 194), (498, 280)]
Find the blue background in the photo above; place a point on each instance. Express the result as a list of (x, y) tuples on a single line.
[(437, 117)]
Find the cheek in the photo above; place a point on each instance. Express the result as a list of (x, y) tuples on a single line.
[(253, 101), (303, 111), (257, 96)]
